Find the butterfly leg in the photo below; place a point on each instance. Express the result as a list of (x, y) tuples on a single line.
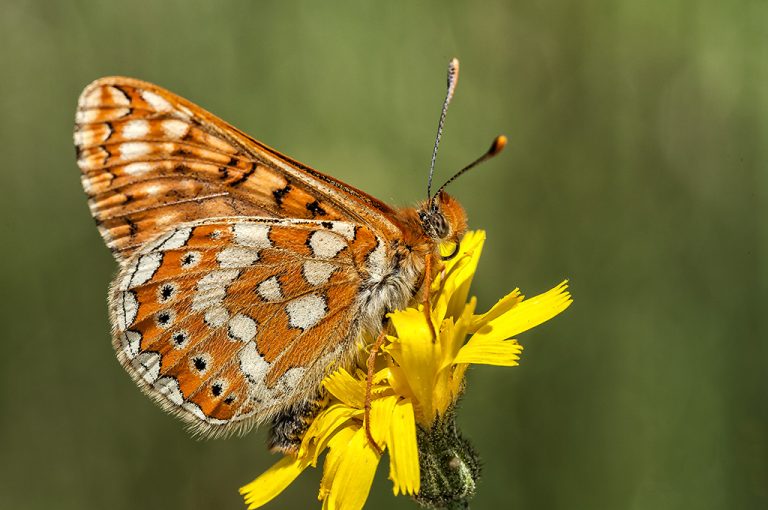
[(289, 426), (369, 387), (427, 295)]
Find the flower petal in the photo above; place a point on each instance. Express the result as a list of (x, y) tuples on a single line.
[(456, 277), (403, 451), (346, 388), (353, 475), (501, 307), (338, 447), (322, 427), (490, 352), (527, 314), (418, 356), (272, 482), (381, 418)]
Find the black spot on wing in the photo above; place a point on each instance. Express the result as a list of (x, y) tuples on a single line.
[(279, 194), (315, 209)]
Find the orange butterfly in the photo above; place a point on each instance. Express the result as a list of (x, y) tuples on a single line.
[(245, 276)]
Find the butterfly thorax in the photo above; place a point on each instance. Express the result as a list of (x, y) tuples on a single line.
[(403, 276)]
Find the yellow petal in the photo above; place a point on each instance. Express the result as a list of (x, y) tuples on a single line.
[(399, 381), (322, 427), (354, 474), (451, 339), (502, 306), (382, 375), (452, 335), (526, 315), (419, 357), (272, 482), (403, 451), (337, 449), (345, 388), (490, 352), (381, 418), (455, 279)]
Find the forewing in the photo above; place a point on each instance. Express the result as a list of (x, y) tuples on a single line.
[(151, 159), (226, 322)]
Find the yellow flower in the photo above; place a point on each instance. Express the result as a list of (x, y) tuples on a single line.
[(415, 389)]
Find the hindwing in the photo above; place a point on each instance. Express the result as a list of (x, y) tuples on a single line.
[(225, 322)]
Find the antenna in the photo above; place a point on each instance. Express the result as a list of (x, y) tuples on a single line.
[(453, 79), (496, 147)]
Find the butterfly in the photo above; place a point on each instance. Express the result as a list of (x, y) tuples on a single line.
[(244, 276)]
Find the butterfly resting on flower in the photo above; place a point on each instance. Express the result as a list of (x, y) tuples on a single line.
[(244, 276)]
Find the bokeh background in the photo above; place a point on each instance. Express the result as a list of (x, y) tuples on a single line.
[(636, 168)]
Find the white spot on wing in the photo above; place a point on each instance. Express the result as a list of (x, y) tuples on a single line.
[(212, 288), (290, 379), (269, 289), (92, 135), (198, 413), (131, 341), (127, 308), (216, 316), (169, 388), (129, 150), (255, 235), (142, 270), (242, 327), (104, 96), (147, 366), (253, 364), (87, 186), (325, 244), (345, 229), (174, 128), (237, 256), (116, 96), (377, 260), (83, 137), (178, 239), (306, 311), (135, 129), (138, 168), (317, 272), (98, 115), (156, 101)]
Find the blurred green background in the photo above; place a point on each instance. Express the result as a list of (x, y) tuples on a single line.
[(636, 168)]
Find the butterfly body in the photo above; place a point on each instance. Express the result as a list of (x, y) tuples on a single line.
[(244, 276)]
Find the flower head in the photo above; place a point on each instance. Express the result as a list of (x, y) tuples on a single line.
[(415, 389)]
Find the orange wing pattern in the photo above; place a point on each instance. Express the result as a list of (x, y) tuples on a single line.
[(226, 322), (244, 275), (151, 160)]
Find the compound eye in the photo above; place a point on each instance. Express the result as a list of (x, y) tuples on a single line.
[(441, 226)]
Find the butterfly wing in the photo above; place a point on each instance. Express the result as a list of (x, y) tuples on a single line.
[(225, 322), (151, 159)]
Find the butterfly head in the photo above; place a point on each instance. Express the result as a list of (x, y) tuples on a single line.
[(443, 219)]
